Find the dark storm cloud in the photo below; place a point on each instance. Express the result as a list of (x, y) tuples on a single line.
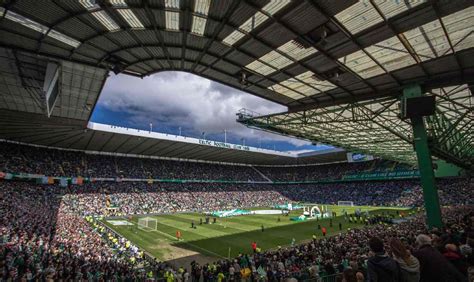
[(174, 99)]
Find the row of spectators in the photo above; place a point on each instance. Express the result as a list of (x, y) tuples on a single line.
[(16, 158), (46, 237), (141, 198), (313, 172)]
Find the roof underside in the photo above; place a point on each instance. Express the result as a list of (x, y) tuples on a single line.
[(323, 59), (298, 53), (71, 134)]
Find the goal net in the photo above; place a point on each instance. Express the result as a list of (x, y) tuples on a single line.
[(147, 223), (345, 203)]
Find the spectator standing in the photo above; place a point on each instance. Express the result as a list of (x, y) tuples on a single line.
[(433, 265), (409, 265), (381, 267)]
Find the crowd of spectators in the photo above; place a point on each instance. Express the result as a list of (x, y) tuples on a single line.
[(313, 172), (15, 158), (41, 240), (47, 234), (51, 233), (142, 198)]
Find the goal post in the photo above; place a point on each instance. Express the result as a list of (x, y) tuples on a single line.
[(147, 223), (345, 203)]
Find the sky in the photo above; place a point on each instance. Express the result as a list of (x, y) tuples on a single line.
[(170, 100)]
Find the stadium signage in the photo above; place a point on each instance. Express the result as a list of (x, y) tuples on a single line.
[(383, 175), (223, 145)]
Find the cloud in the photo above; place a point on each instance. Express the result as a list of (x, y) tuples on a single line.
[(178, 99)]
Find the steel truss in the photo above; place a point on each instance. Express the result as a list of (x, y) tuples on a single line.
[(374, 127)]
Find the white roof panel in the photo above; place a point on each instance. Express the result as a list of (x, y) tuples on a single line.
[(64, 38), (105, 20), (297, 52), (363, 14), (460, 27), (359, 16), (361, 64), (199, 25), (202, 7), (391, 54), (254, 21), (130, 18), (26, 22), (285, 91), (428, 41), (172, 20)]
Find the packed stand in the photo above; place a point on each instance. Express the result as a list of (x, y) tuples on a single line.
[(313, 172), (49, 234), (41, 240), (15, 158), (142, 198)]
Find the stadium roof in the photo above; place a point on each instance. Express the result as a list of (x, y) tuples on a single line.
[(297, 53), (373, 127), (303, 54), (71, 134)]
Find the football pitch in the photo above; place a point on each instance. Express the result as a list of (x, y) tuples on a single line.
[(233, 235)]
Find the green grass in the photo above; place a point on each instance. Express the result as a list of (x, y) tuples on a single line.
[(235, 233)]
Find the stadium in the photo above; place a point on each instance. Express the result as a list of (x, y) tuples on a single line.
[(383, 89)]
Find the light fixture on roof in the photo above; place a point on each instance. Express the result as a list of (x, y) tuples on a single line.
[(88, 106), (319, 35), (117, 66), (316, 36), (243, 78), (333, 74)]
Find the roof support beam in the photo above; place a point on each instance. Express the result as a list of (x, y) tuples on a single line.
[(430, 193)]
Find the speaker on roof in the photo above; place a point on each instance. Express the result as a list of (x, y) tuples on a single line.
[(418, 106), (319, 35)]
